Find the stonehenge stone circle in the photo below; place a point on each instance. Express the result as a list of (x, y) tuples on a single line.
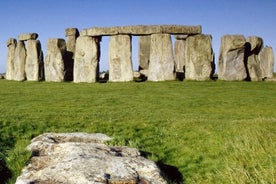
[(34, 61), (120, 65), (161, 66), (54, 61), (199, 58), (11, 44), (86, 59), (231, 58), (77, 59), (266, 58)]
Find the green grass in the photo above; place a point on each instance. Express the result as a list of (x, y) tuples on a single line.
[(211, 132)]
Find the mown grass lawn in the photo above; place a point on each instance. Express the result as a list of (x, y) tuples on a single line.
[(209, 132)]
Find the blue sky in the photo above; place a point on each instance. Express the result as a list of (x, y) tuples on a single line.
[(49, 18)]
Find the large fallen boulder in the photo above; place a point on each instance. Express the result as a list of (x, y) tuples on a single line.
[(84, 158)]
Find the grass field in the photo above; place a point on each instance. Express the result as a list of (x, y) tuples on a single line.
[(205, 132)]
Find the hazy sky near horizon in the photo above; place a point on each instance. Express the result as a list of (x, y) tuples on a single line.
[(50, 18)]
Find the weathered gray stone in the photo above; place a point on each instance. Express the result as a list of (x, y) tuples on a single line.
[(161, 66), (71, 36), (34, 61), (28, 36), (179, 55), (120, 64), (266, 57), (84, 158), (181, 37), (54, 62), (199, 58), (11, 44), (253, 47), (19, 62), (231, 59), (141, 30), (144, 52), (86, 60)]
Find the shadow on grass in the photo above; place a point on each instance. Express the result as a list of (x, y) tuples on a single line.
[(5, 173), (171, 173)]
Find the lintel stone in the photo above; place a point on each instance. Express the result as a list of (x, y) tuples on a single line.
[(28, 36), (142, 30)]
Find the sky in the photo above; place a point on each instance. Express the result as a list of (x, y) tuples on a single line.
[(50, 18)]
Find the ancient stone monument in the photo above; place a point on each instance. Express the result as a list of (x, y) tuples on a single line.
[(192, 58), (54, 61), (84, 158)]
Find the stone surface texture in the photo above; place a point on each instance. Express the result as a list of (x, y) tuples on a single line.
[(34, 61), (266, 57), (19, 62), (86, 60), (119, 57), (28, 36), (54, 61), (144, 52), (161, 66), (231, 58), (199, 58), (141, 30), (84, 158), (179, 55), (253, 47), (11, 44)]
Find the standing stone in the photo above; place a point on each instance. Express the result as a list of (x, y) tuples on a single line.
[(71, 36), (11, 44), (28, 36), (34, 61), (86, 59), (179, 56), (199, 58), (144, 52), (231, 58), (54, 62), (19, 62), (266, 58), (120, 65), (253, 47), (161, 66)]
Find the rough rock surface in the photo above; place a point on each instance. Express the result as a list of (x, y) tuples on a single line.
[(144, 52), (141, 30), (11, 44), (253, 47), (199, 58), (179, 55), (19, 62), (231, 58), (161, 66), (84, 158), (54, 62), (34, 61), (119, 57), (28, 36), (86, 60), (266, 57)]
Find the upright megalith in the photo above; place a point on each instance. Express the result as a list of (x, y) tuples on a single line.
[(34, 66), (231, 58), (266, 58), (71, 36), (161, 66), (179, 56), (199, 58), (144, 52), (86, 59), (120, 65), (253, 47), (19, 62), (11, 44), (54, 62)]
